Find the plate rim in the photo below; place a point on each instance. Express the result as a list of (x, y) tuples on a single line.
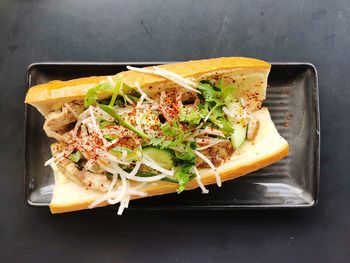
[(316, 112)]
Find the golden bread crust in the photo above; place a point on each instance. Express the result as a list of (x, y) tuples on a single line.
[(77, 88)]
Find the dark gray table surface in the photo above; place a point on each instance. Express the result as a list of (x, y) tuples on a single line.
[(312, 31)]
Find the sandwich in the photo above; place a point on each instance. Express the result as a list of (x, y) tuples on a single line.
[(156, 130)]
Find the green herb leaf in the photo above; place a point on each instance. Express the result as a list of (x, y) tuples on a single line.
[(174, 136), (215, 99), (208, 92), (227, 92), (218, 118), (203, 109), (172, 129), (91, 96), (190, 116), (157, 141), (183, 175), (187, 156)]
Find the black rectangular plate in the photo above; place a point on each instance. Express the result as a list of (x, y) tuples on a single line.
[(292, 98)]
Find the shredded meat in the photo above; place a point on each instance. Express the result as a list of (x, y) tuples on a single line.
[(57, 122), (253, 128), (93, 181), (217, 154)]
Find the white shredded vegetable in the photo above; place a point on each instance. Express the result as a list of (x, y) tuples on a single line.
[(148, 179), (102, 114), (167, 72), (108, 168), (121, 208), (57, 157), (113, 183), (211, 165), (199, 182), (211, 131), (76, 127), (185, 83), (210, 112), (89, 164), (132, 173), (97, 129), (124, 155), (124, 202), (111, 81), (112, 197), (110, 157), (211, 143), (128, 99), (121, 195), (227, 112), (138, 87)]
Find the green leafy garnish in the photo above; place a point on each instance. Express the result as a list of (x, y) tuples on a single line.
[(115, 92), (190, 116), (120, 101), (209, 93), (203, 109), (91, 96), (75, 156), (157, 141), (187, 156), (220, 95), (118, 96), (121, 122), (174, 136), (217, 116), (172, 129), (183, 175), (215, 99), (228, 91)]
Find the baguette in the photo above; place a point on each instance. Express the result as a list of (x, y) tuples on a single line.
[(249, 77)]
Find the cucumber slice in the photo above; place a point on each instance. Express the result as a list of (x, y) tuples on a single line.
[(238, 136), (163, 157)]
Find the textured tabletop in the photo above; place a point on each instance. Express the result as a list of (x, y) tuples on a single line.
[(116, 31)]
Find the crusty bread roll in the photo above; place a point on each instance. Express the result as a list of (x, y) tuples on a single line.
[(248, 75)]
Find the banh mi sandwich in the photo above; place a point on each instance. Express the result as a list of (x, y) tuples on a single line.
[(156, 130)]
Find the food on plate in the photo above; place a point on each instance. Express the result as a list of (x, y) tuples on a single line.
[(156, 130)]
